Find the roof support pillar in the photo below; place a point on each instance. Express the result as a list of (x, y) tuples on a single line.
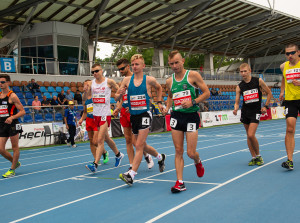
[(209, 63)]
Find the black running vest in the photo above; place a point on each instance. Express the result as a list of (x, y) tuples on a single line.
[(251, 94), (7, 109)]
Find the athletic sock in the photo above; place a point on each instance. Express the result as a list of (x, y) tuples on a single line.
[(180, 181), (159, 157), (118, 154), (132, 173), (95, 164)]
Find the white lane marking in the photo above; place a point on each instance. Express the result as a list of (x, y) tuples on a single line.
[(190, 182), (211, 190)]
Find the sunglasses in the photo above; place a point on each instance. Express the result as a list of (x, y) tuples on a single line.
[(122, 68), (2, 82), (290, 53), (95, 71)]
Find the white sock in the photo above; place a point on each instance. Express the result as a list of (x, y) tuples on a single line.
[(180, 181), (159, 157), (130, 165), (132, 173), (146, 155)]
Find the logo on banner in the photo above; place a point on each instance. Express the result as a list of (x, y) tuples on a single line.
[(220, 118), (7, 65)]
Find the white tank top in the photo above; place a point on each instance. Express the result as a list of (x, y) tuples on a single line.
[(101, 98)]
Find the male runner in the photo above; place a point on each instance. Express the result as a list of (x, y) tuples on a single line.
[(250, 89), (183, 97), (101, 91), (10, 110), (290, 84), (123, 66), (90, 125), (138, 88)]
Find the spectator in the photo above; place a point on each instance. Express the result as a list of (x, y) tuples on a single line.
[(71, 123), (46, 103), (69, 96), (155, 109), (36, 105), (54, 101), (112, 108), (61, 97), (78, 97), (204, 106), (213, 92), (33, 86)]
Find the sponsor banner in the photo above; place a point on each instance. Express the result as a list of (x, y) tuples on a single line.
[(266, 116), (33, 135), (219, 118), (158, 124)]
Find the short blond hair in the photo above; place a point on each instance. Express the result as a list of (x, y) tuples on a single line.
[(245, 65), (137, 56), (173, 53)]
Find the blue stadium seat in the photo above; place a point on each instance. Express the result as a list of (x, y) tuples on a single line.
[(43, 89), (23, 102), (27, 110), (49, 117), (39, 94), (20, 95), (16, 89), (20, 120), (28, 95), (58, 89), (38, 118), (54, 94), (51, 89), (29, 102), (66, 88), (48, 96), (27, 119), (58, 117), (112, 101)]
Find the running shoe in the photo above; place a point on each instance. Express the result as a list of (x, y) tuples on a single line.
[(259, 161), (161, 164), (105, 157), (130, 168), (18, 165), (126, 178), (119, 159), (199, 169), (9, 173), (149, 161), (288, 165), (91, 167), (178, 187), (252, 162), (74, 146)]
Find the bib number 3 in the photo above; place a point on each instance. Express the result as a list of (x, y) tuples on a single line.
[(173, 122), (191, 127)]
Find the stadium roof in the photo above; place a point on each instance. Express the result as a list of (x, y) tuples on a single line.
[(236, 27)]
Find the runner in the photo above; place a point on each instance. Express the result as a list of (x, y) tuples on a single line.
[(290, 86), (249, 88), (138, 95), (183, 97), (10, 110), (123, 108), (100, 89)]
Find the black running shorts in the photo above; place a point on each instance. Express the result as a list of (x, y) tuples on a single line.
[(7, 130), (250, 117), (185, 122), (292, 108), (141, 121)]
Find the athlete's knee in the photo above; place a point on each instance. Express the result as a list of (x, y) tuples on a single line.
[(191, 154), (290, 130), (178, 151), (251, 136)]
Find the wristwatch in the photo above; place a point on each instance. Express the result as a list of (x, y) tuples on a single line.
[(194, 103)]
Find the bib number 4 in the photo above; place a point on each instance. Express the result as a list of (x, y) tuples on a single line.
[(145, 121)]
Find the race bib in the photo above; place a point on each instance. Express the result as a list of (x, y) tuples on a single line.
[(180, 97), (125, 100), (251, 96), (18, 127), (191, 127), (99, 98), (89, 108), (292, 74), (4, 111), (103, 118), (173, 122), (145, 121), (138, 102), (258, 116)]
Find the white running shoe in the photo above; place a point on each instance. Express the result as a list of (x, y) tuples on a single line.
[(149, 161), (74, 146)]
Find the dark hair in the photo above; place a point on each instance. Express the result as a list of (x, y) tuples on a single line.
[(122, 61), (7, 78)]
